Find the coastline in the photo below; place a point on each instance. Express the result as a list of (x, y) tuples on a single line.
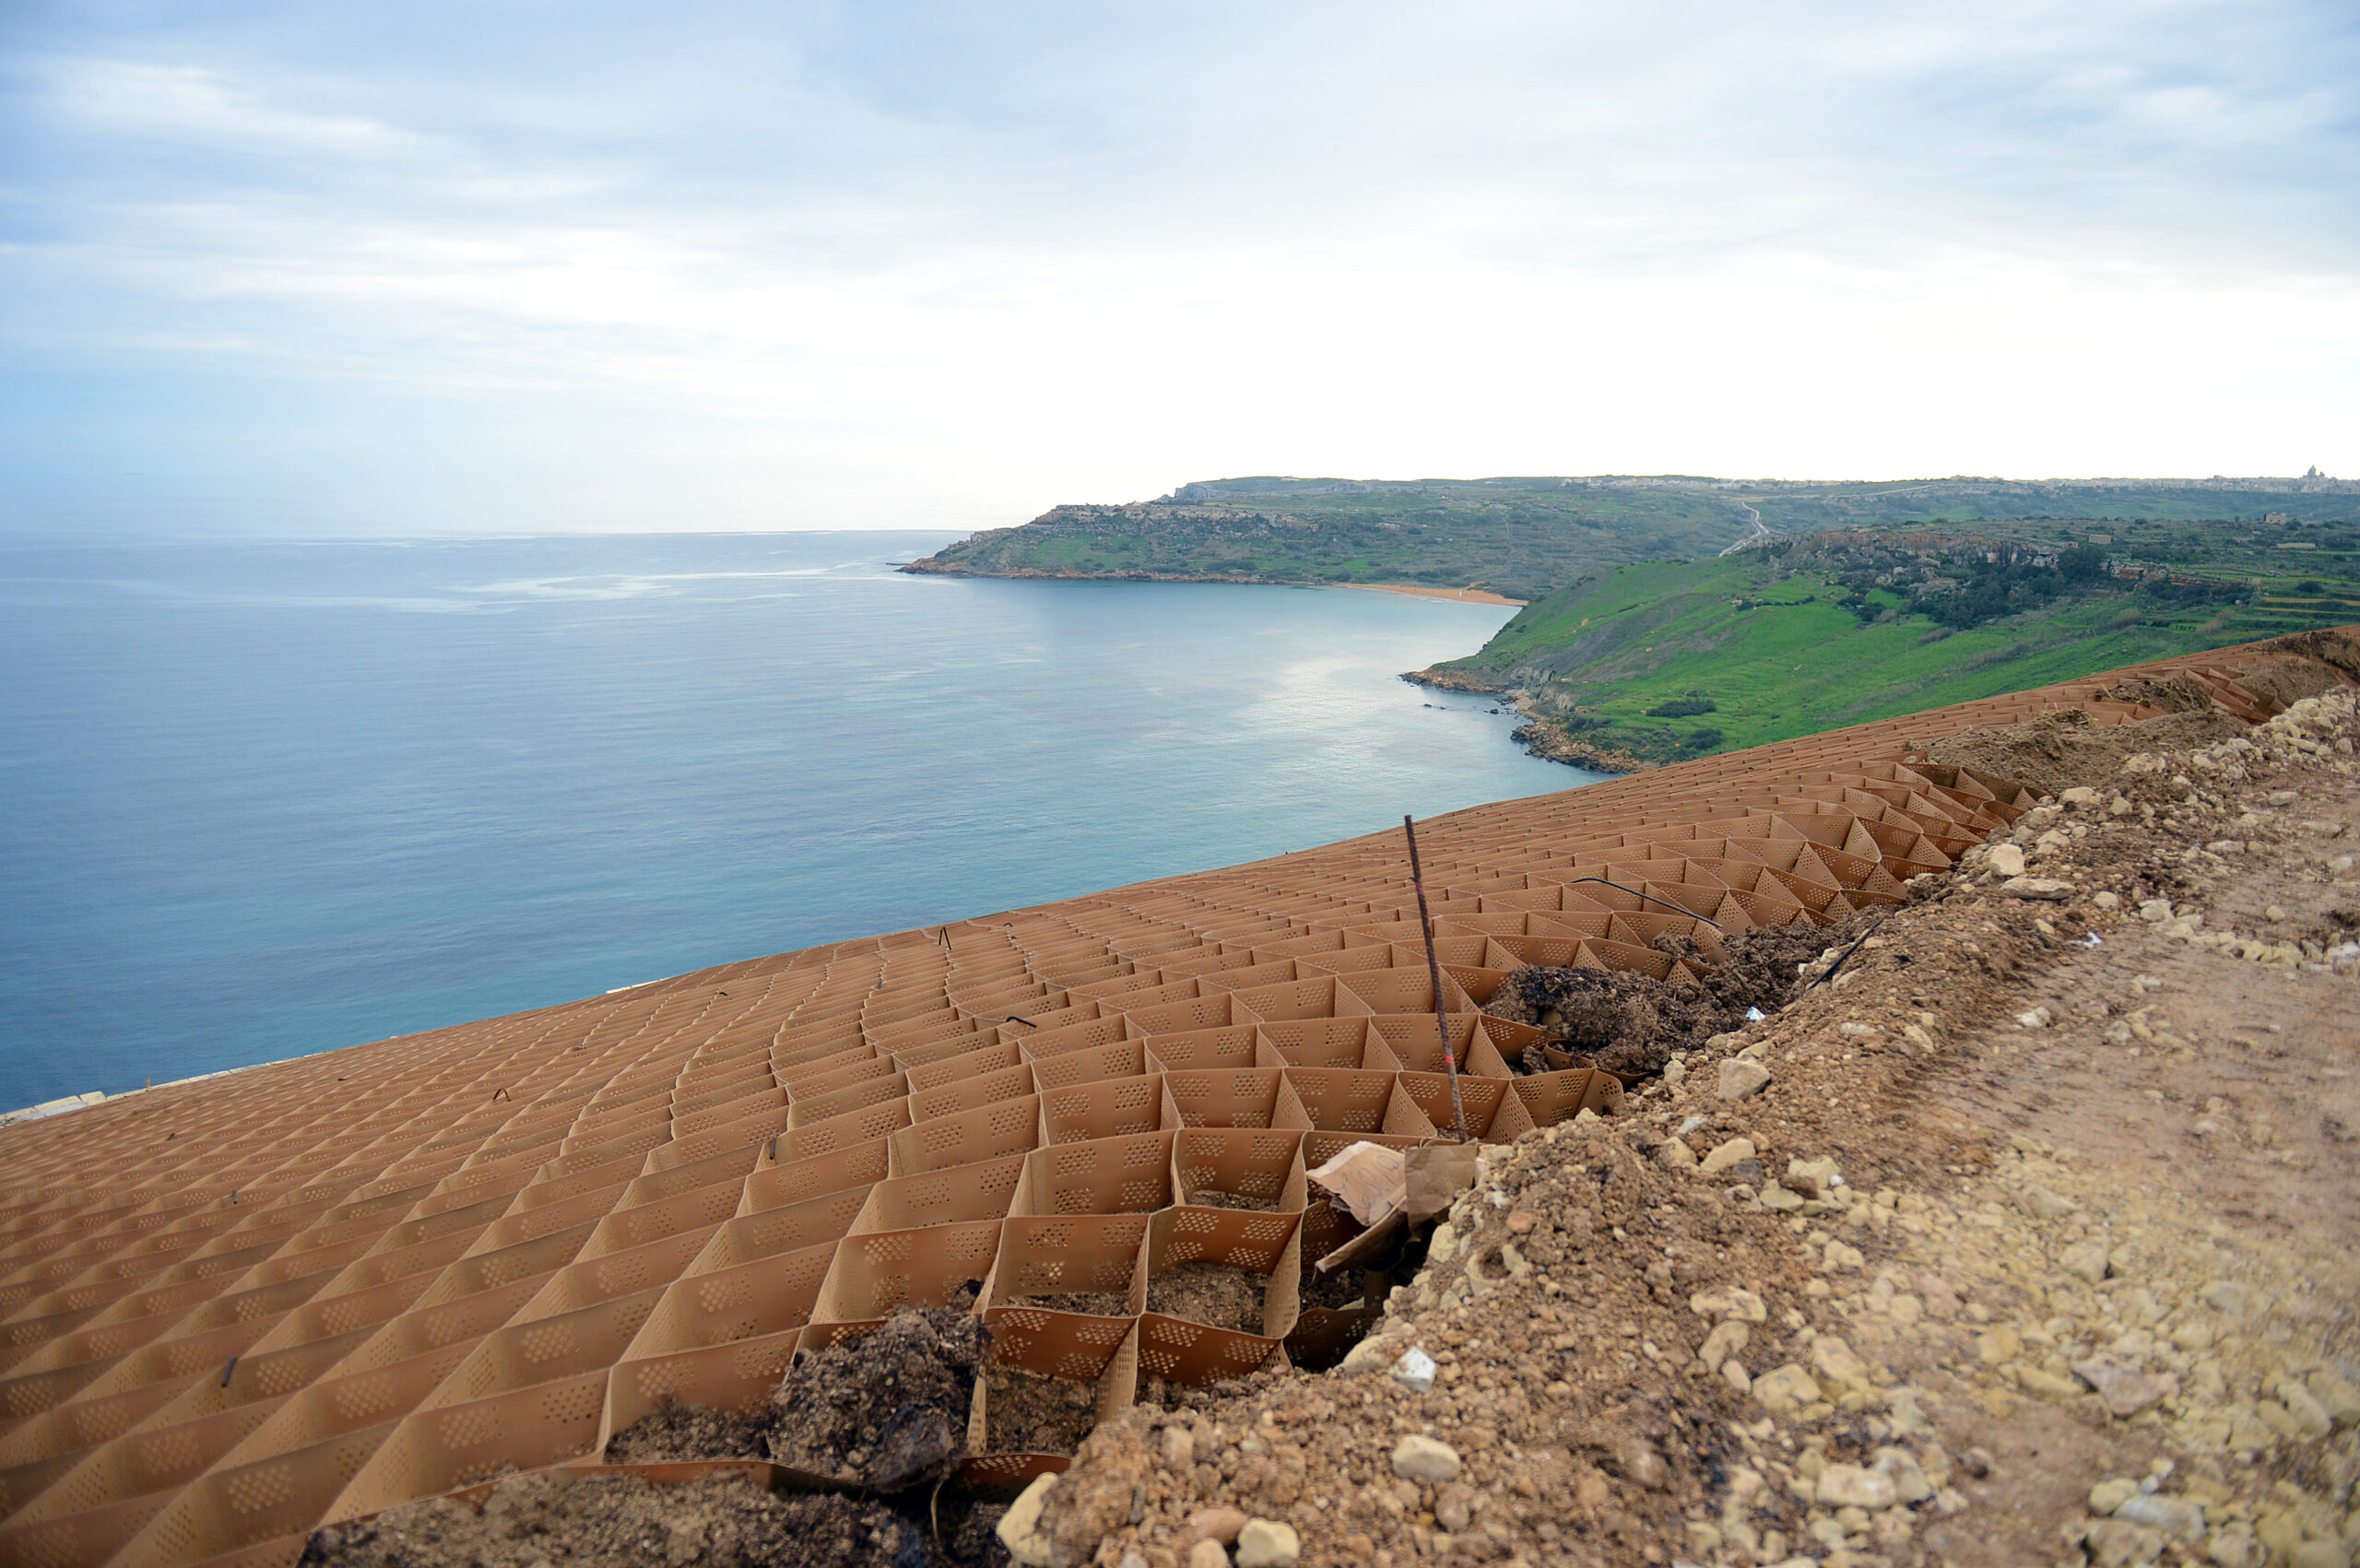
[(1417, 590), (929, 567), (1543, 737)]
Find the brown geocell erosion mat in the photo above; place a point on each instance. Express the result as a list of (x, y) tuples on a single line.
[(231, 1310)]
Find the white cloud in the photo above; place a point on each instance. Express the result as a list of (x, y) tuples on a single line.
[(836, 276)]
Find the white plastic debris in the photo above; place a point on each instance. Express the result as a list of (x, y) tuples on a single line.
[(1415, 1370), (2092, 941), (1366, 1178), (1754, 1015)]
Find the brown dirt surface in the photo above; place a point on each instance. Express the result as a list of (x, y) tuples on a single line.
[(1027, 1413), (1207, 1198), (889, 1410), (2063, 748), (1211, 1294), (715, 1523), (1339, 1292), (1094, 1304), (2043, 1251), (1632, 1023), (693, 1431), (2178, 692)]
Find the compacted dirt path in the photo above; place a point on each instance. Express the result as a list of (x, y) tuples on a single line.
[(2027, 1239)]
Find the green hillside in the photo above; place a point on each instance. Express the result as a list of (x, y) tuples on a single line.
[(1524, 537), (1661, 660)]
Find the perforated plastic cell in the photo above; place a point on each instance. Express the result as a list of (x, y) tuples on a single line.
[(548, 1343), (257, 1486)]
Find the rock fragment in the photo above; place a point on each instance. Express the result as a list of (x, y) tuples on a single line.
[(1420, 1458)]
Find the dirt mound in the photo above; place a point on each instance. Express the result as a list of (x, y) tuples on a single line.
[(716, 1523), (2288, 681), (1214, 1295), (1032, 1414), (2175, 693), (1632, 1023), (889, 1410), (2334, 646), (2064, 747)]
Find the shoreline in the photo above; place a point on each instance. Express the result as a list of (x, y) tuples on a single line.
[(928, 567), (1543, 737), (1416, 591)]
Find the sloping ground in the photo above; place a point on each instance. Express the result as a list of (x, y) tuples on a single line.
[(238, 1308)]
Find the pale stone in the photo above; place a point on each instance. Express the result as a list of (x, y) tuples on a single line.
[(1849, 1486), (1786, 1389), (2084, 1260), (1673, 1154), (1209, 1554), (1372, 1354), (1835, 1360), (1727, 1154), (1723, 1342), (1219, 1524), (2112, 1493), (2006, 859), (2047, 889), (1265, 1543), (2042, 1204), (1817, 1177), (1730, 1300), (1020, 1528), (2173, 1516), (1733, 1373), (1743, 1079), (1422, 1460)]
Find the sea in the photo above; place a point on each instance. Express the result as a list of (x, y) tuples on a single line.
[(263, 799)]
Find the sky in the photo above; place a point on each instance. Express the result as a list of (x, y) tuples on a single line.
[(514, 266)]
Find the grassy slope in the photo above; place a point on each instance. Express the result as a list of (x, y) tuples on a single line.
[(1524, 537), (1646, 634)]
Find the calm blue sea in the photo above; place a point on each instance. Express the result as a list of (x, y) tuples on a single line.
[(263, 799)]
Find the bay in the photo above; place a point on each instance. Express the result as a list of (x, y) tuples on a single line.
[(267, 799)]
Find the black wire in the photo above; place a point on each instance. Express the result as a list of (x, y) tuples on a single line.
[(1649, 897)]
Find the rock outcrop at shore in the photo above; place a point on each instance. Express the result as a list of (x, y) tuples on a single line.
[(1545, 737)]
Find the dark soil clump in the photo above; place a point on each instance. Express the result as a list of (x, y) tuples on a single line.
[(692, 1432), (1094, 1304), (1211, 1294), (1207, 1198), (1339, 1292), (888, 1409), (721, 1522), (1631, 1023), (1027, 1413)]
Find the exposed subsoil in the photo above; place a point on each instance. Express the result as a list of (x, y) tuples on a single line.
[(1214, 1295), (1027, 1413), (1207, 1197), (2029, 1251), (692, 1432), (1095, 1304), (888, 1409), (888, 1412), (1632, 1023), (533, 1520)]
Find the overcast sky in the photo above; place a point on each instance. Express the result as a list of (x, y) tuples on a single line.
[(428, 267)]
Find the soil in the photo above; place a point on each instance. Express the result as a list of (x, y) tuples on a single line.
[(715, 1523), (692, 1432), (1211, 1294), (2063, 746), (1339, 1292), (1207, 1198), (889, 1410), (2063, 1166), (1027, 1413), (1095, 1304), (1632, 1023)]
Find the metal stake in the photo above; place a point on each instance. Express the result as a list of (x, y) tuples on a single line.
[(1434, 971)]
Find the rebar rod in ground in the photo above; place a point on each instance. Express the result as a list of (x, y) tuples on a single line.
[(1434, 972)]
